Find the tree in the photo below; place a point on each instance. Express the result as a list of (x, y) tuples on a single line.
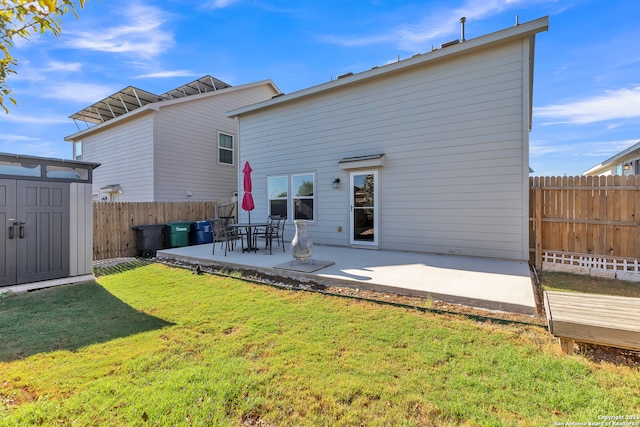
[(21, 19)]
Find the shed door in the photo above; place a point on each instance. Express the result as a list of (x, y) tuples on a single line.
[(36, 232), (7, 234)]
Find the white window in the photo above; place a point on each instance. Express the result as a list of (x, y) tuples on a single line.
[(292, 196), (77, 150), (278, 195), (302, 196), (225, 149)]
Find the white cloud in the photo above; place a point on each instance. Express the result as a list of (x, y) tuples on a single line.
[(221, 4), (38, 120), (616, 104), (77, 92), (144, 34), (16, 138), (439, 23), (63, 66), (166, 74), (600, 149)]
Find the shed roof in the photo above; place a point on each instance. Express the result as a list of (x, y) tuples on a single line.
[(519, 31)]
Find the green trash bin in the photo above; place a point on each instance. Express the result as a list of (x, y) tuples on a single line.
[(176, 234)]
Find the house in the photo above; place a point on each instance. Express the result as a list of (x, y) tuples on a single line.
[(178, 146), (45, 205), (428, 154), (626, 162)]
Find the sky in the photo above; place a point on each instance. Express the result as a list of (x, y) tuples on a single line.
[(587, 65)]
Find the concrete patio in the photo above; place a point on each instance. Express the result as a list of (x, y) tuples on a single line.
[(478, 282)]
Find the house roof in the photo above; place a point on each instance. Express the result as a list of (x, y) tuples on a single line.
[(633, 151), (170, 99), (519, 31), (131, 98)]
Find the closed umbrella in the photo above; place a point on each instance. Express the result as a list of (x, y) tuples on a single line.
[(247, 199)]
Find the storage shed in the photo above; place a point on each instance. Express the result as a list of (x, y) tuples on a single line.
[(46, 213)]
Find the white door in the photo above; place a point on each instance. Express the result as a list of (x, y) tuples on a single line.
[(364, 207)]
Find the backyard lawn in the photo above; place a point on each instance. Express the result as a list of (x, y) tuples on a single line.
[(160, 346)]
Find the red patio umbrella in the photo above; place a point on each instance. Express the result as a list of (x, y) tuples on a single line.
[(247, 199)]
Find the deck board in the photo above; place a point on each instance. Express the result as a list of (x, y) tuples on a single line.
[(598, 319)]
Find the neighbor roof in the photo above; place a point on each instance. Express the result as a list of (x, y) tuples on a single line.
[(612, 161), (170, 99), (131, 98)]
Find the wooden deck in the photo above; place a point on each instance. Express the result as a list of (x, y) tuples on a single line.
[(597, 319)]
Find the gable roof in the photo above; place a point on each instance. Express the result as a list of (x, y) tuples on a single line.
[(519, 31), (171, 99), (624, 155), (131, 98)]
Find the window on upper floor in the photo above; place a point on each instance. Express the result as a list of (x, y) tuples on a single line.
[(77, 150), (225, 148)]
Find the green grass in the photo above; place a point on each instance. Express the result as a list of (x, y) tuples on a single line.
[(66, 318), (229, 352), (588, 284)]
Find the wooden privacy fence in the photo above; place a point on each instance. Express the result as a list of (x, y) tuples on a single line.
[(592, 218), (113, 236), (585, 221)]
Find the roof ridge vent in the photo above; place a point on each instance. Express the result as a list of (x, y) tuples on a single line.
[(451, 43), (342, 76)]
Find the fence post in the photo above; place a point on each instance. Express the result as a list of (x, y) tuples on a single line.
[(538, 256)]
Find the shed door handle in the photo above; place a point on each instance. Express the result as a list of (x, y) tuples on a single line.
[(21, 233), (12, 232)]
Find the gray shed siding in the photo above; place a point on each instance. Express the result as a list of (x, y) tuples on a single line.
[(125, 151), (186, 154), (454, 133), (81, 230)]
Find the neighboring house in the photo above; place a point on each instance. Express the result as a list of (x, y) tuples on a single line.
[(429, 154), (177, 146), (626, 162)]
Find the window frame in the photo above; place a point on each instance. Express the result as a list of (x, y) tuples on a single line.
[(290, 198), (295, 197), (77, 147), (232, 149), (286, 198)]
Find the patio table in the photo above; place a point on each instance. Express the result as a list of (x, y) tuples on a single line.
[(248, 226)]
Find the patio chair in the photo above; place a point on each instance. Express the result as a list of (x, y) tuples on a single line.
[(221, 234), (270, 232), (234, 233), (279, 236)]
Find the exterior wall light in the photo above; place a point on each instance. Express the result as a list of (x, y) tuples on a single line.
[(626, 166), (336, 183)]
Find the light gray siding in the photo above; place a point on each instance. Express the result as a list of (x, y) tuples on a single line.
[(454, 134), (125, 152), (168, 151), (187, 146)]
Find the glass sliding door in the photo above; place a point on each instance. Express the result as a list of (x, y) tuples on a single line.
[(364, 207)]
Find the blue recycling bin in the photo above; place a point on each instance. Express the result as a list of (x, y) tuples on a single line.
[(201, 233)]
